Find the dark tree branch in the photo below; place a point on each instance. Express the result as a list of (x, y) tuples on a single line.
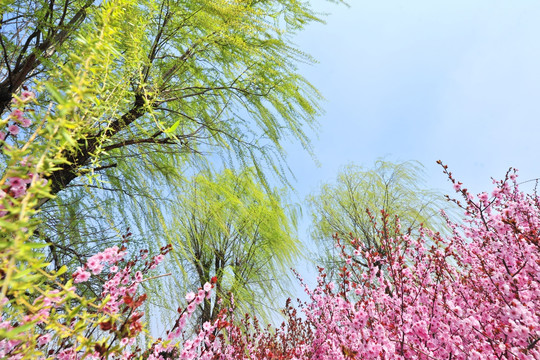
[(4, 50), (166, 141), (25, 66), (62, 177)]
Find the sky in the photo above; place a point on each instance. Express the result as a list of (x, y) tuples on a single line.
[(418, 80)]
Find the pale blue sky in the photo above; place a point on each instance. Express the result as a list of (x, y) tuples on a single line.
[(425, 80)]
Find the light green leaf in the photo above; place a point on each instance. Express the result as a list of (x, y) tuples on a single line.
[(173, 127)]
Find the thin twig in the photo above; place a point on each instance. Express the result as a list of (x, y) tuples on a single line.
[(156, 277)]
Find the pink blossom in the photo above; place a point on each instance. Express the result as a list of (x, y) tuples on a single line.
[(26, 161), (18, 191), (67, 354), (159, 258), (483, 197), (44, 339), (125, 279), (93, 263), (471, 294), (191, 307), (207, 326), (80, 276), (16, 181), (25, 122), (17, 115), (97, 270), (27, 95), (13, 129), (201, 294), (190, 296)]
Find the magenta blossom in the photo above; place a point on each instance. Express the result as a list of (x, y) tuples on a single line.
[(27, 95), (25, 122), (17, 115), (13, 129)]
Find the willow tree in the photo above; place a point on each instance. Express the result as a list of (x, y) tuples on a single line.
[(149, 87), (227, 226), (350, 207)]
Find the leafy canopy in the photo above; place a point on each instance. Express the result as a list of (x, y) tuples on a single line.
[(151, 88), (130, 94), (228, 226), (349, 206)]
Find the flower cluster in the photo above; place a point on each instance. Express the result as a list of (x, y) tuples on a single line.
[(17, 118), (109, 332), (21, 176), (96, 263), (200, 347), (474, 294)]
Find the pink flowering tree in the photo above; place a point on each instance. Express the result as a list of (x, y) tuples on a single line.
[(472, 295)]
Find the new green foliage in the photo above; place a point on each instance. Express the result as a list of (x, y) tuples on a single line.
[(151, 87), (396, 188), (136, 95), (229, 226), (189, 76)]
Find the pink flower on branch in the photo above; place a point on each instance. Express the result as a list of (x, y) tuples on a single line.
[(13, 129), (27, 95)]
